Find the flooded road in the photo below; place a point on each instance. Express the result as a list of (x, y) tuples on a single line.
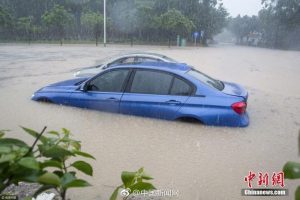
[(200, 162)]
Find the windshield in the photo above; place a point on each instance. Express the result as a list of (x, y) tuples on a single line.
[(206, 79)]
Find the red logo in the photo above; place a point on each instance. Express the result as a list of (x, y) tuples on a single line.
[(278, 179), (262, 179), (250, 178)]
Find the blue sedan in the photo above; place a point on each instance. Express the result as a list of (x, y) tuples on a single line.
[(168, 91)]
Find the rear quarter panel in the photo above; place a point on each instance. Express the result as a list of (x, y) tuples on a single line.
[(215, 110)]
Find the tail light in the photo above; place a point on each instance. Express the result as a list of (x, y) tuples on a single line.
[(239, 107)]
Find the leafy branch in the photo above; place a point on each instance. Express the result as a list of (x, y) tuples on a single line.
[(292, 171), (48, 164), (133, 182)]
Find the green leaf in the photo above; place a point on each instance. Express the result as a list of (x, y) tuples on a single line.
[(128, 178), (141, 170), (83, 154), (49, 179), (297, 194), (2, 132), (12, 141), (142, 186), (7, 157), (291, 170), (58, 173), (4, 150), (27, 175), (76, 144), (53, 133), (83, 167), (35, 134), (67, 178), (51, 163), (42, 189), (54, 152), (115, 193), (29, 162), (77, 183), (66, 131), (146, 177)]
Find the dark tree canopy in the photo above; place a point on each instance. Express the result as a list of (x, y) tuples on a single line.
[(277, 24), (141, 20)]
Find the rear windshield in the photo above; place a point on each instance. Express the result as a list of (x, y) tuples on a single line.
[(169, 59), (206, 79)]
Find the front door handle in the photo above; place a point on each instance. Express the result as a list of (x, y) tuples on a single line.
[(173, 102)]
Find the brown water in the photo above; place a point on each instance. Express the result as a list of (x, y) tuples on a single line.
[(200, 162)]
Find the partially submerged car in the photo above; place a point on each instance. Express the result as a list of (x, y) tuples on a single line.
[(161, 90), (136, 57)]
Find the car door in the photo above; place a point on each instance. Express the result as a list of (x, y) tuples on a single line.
[(102, 92), (151, 94)]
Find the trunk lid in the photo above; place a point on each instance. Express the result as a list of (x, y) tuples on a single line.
[(234, 89)]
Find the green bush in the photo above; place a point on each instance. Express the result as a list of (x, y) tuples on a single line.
[(292, 171), (46, 161), (133, 181)]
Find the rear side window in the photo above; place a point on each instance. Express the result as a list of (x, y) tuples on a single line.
[(109, 82), (180, 88), (206, 79), (128, 60), (147, 59), (151, 82), (122, 61)]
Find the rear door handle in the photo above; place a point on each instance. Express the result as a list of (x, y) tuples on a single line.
[(173, 102), (112, 99)]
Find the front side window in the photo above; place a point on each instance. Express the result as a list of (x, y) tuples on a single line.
[(151, 82), (180, 88), (109, 82)]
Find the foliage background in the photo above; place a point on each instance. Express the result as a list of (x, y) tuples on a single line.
[(142, 20)]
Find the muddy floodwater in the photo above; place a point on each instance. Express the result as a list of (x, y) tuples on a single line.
[(199, 162)]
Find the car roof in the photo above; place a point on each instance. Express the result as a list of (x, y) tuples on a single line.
[(142, 54), (169, 67)]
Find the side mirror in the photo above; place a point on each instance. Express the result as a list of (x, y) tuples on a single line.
[(105, 66), (83, 87)]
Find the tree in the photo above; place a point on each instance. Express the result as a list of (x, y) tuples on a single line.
[(146, 23), (211, 19), (6, 21), (25, 27), (129, 19), (280, 21), (6, 18), (242, 27), (92, 21), (174, 23), (57, 19), (124, 18)]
